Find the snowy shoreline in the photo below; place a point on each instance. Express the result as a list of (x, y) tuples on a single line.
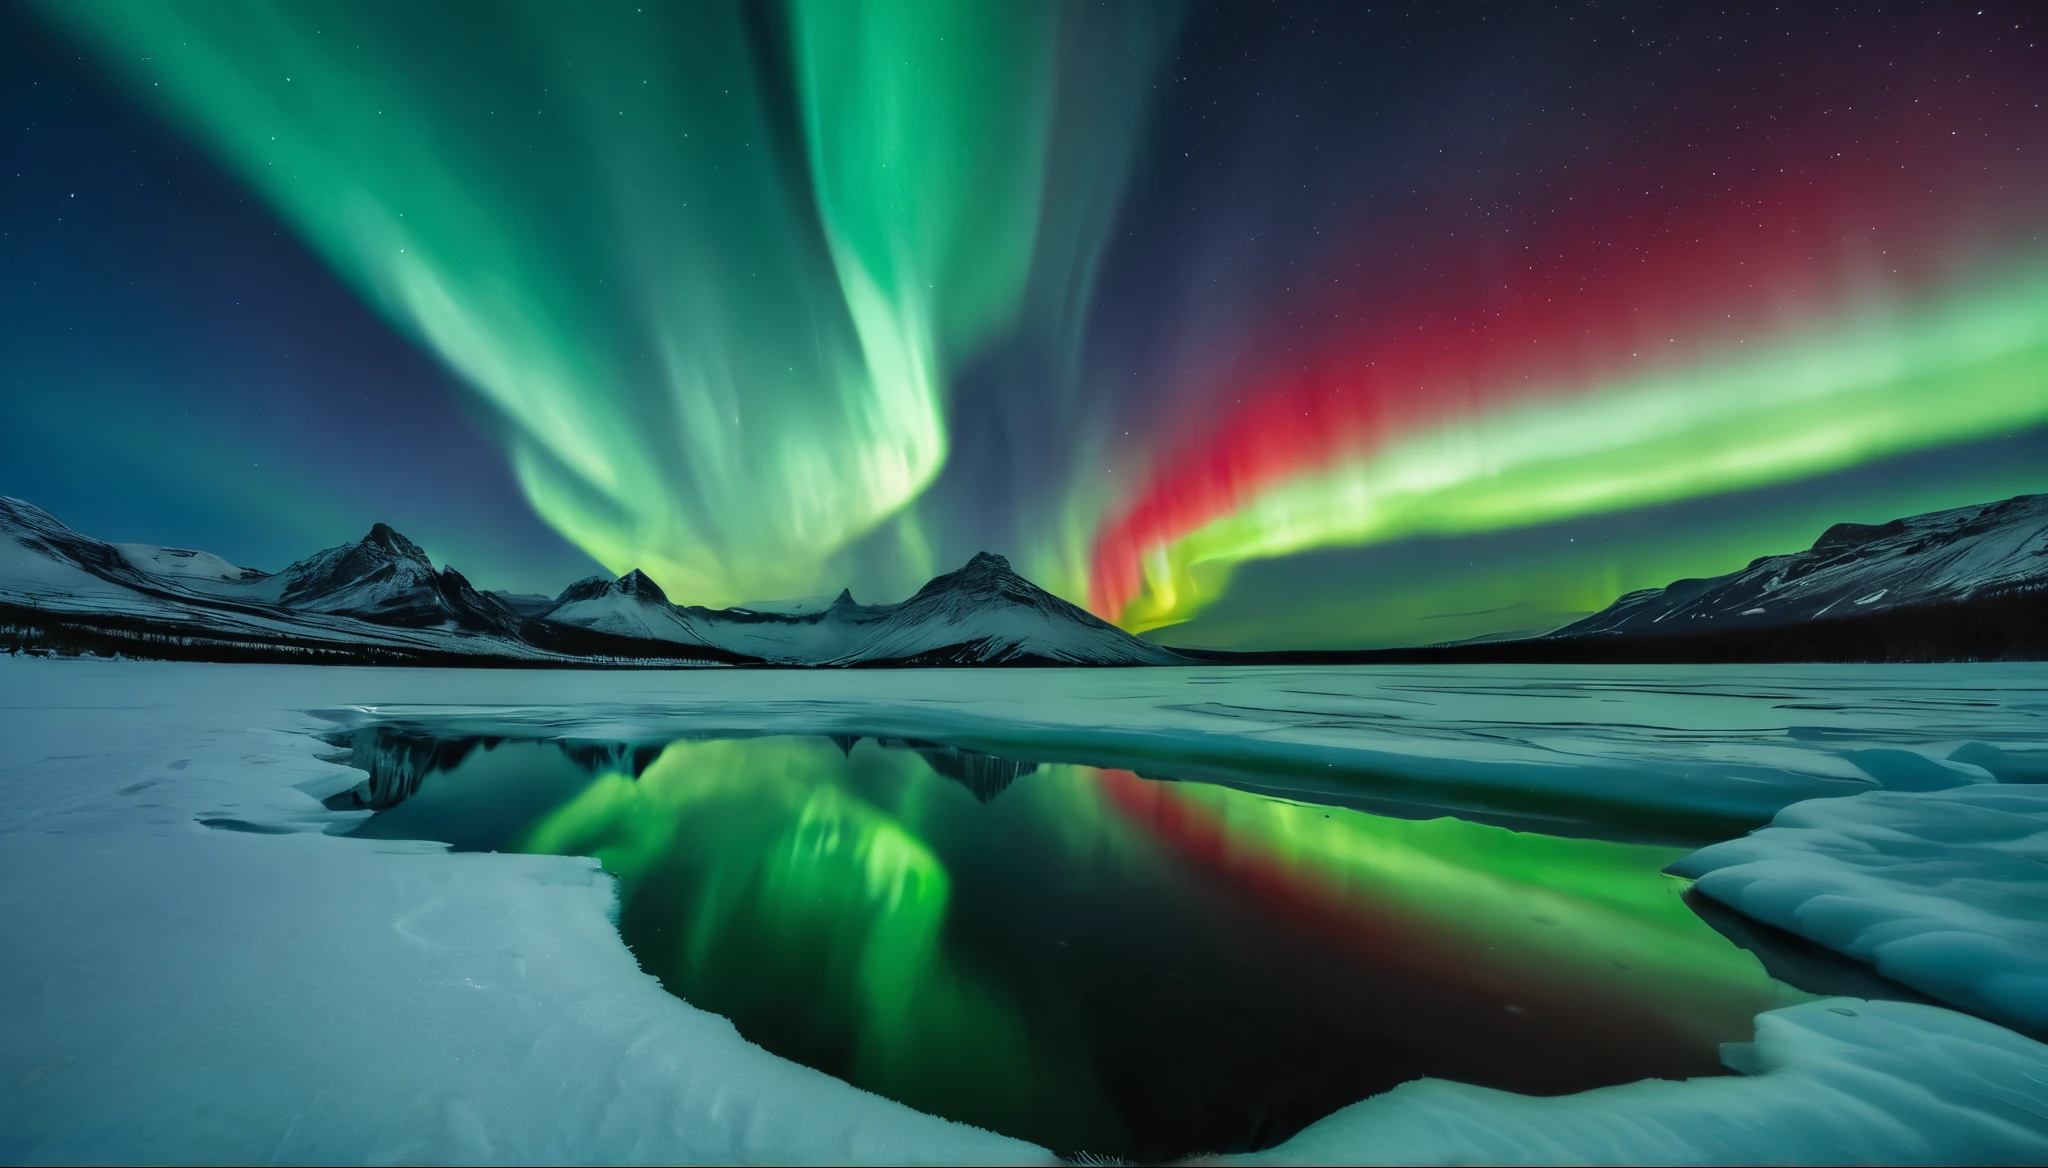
[(1942, 891), (302, 997)]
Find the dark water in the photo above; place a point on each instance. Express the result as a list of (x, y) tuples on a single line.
[(1089, 959)]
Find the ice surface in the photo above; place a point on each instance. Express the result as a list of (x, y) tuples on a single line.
[(1944, 891), (1839, 1081), (175, 993), (1733, 743)]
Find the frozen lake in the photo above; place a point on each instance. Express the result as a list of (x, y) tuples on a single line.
[(350, 914), (1092, 960)]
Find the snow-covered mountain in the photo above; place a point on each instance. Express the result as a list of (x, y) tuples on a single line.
[(634, 606), (381, 599), (386, 579), (65, 590), (983, 614), (801, 638), (986, 614), (47, 565), (202, 570), (1991, 552), (1970, 582), (630, 606), (524, 603)]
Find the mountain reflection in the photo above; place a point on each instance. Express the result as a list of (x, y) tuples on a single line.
[(1101, 962)]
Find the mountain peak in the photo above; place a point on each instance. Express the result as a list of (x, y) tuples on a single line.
[(985, 613), (987, 575), (387, 579), (635, 584), (638, 585), (384, 536)]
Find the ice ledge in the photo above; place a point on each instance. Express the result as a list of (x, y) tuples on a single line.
[(1943, 891)]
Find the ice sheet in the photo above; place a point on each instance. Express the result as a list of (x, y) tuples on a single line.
[(1945, 891), (1734, 744)]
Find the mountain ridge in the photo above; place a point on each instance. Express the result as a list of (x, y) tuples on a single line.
[(1965, 583), (380, 599), (1981, 551)]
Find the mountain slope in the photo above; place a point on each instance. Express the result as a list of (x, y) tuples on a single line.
[(630, 606), (634, 606), (1969, 556), (986, 614), (61, 590), (202, 571), (386, 579), (801, 638)]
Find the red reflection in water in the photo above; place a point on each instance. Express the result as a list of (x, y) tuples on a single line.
[(1501, 1013)]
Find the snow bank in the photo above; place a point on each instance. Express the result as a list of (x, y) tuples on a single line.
[(1945, 891), (175, 993), (1829, 1082)]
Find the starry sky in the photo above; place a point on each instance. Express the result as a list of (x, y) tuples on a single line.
[(1247, 325)]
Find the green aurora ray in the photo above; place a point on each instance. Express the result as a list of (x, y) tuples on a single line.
[(709, 266)]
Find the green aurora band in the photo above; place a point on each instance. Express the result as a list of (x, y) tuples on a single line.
[(710, 271)]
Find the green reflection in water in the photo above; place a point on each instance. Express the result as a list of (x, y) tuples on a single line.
[(1100, 962), (757, 881)]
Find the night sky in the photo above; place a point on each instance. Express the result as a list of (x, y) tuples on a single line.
[(1252, 325)]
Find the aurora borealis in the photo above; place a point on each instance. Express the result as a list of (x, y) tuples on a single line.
[(1246, 325)]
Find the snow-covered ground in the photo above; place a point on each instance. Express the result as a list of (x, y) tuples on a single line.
[(176, 992), (182, 994)]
